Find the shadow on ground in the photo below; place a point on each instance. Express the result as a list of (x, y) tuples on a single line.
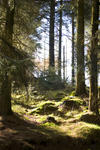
[(19, 134), (91, 118)]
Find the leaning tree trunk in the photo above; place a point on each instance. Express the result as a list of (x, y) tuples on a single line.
[(5, 83), (60, 40), (93, 94), (51, 34), (80, 83)]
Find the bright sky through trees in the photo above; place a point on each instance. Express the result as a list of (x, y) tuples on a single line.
[(42, 54)]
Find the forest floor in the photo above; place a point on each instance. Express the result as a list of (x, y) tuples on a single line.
[(63, 123)]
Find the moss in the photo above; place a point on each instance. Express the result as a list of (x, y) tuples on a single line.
[(73, 98), (91, 118), (72, 93), (44, 108), (42, 118), (71, 103), (50, 124), (89, 131), (65, 98), (18, 109)]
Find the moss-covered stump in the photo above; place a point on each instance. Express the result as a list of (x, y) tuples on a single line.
[(71, 103), (44, 108)]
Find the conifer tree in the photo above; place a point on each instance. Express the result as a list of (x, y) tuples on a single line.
[(93, 93), (51, 34), (80, 83)]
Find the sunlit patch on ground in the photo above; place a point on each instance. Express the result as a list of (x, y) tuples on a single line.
[(53, 119)]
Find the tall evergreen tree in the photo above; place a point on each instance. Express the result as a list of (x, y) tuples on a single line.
[(13, 35), (60, 39), (6, 51), (93, 94), (73, 48), (51, 34), (80, 83)]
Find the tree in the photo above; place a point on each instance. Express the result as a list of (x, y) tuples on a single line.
[(14, 39), (63, 63), (5, 83), (80, 83), (73, 48), (51, 34), (60, 39), (93, 93)]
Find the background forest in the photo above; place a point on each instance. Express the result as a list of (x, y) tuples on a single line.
[(41, 107)]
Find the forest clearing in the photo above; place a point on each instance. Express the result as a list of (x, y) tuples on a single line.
[(49, 75)]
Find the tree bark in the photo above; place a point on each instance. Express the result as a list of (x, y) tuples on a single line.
[(5, 83), (51, 34), (93, 93), (5, 96), (73, 47), (63, 63), (80, 78), (60, 40)]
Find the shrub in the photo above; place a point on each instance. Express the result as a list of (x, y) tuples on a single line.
[(49, 80)]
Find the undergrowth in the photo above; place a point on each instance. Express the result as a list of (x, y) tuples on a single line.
[(77, 123)]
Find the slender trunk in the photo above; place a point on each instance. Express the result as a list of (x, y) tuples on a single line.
[(66, 60), (93, 94), (51, 34), (73, 46), (80, 84), (60, 40), (64, 63)]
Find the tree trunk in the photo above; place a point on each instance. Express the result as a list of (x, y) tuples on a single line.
[(63, 63), (93, 94), (73, 47), (5, 83), (51, 34), (5, 96), (60, 40), (80, 83)]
